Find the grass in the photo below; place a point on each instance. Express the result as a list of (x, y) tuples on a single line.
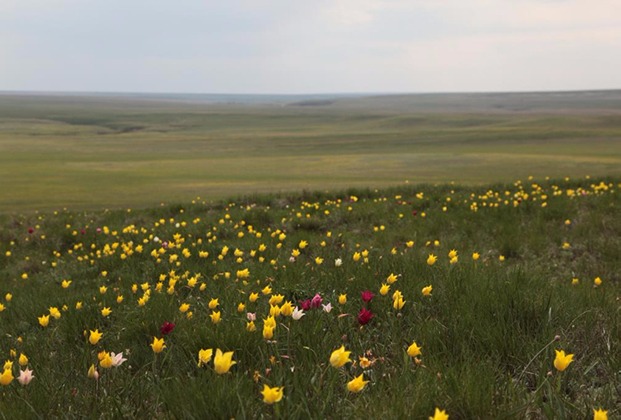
[(75, 151), (488, 331)]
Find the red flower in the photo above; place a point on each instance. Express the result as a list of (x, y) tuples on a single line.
[(305, 304), (367, 295), (364, 316), (316, 301), (167, 328)]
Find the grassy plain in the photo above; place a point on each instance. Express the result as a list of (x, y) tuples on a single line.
[(111, 151)]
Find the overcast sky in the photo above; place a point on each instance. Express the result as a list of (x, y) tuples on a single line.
[(309, 46)]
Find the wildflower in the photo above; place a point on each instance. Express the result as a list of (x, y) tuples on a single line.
[(241, 307), (339, 357), (8, 365), (25, 376), (106, 311), (384, 289), (223, 361), (357, 384), (297, 313), (398, 303), (286, 309), (44, 320), (426, 291), (8, 297), (103, 289), (6, 377), (318, 260), (184, 307), (575, 281), (439, 415), (65, 283), (356, 257), (272, 395), (213, 303), (106, 361), (253, 297), (92, 372), (119, 299), (305, 304), (431, 260), (600, 414), (338, 262), (250, 327), (364, 316), (215, 317), (391, 278), (414, 350), (54, 312), (268, 332), (78, 305), (597, 282), (367, 295), (327, 308), (204, 356), (501, 258), (158, 345), (316, 301), (167, 328), (117, 359), (266, 290), (302, 244), (94, 337), (364, 362), (276, 299), (562, 360), (342, 299), (475, 256), (23, 359)]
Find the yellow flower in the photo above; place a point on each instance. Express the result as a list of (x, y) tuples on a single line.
[(184, 307), (600, 414), (431, 260), (357, 384), (266, 290), (253, 297), (452, 253), (6, 377), (501, 258), (286, 309), (342, 299), (384, 289), (92, 372), (250, 327), (78, 305), (44, 320), (54, 312), (562, 360), (23, 359), (8, 297), (318, 260), (597, 281), (391, 278), (204, 356), (426, 291), (276, 299), (475, 256), (272, 395), (398, 303), (65, 283), (103, 289), (106, 311), (158, 345), (356, 257), (302, 244), (215, 317), (119, 299), (213, 303), (94, 337), (340, 357), (414, 350), (106, 361), (241, 307), (223, 361), (439, 415), (365, 362), (575, 281), (268, 332)]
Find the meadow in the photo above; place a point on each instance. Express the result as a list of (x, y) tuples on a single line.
[(75, 151), (407, 302), (180, 256)]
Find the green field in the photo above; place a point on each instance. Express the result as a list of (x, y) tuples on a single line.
[(110, 151)]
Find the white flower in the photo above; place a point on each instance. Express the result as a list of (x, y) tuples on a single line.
[(117, 359), (297, 313), (25, 376), (327, 308), (251, 316), (338, 262)]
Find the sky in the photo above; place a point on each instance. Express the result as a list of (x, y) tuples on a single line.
[(310, 46)]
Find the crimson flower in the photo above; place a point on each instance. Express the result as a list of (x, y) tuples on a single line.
[(167, 328), (305, 304), (364, 316), (367, 295)]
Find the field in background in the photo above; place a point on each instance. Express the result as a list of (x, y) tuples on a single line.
[(82, 151)]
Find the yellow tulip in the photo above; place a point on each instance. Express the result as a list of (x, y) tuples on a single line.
[(272, 395), (223, 361), (357, 384), (340, 357)]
